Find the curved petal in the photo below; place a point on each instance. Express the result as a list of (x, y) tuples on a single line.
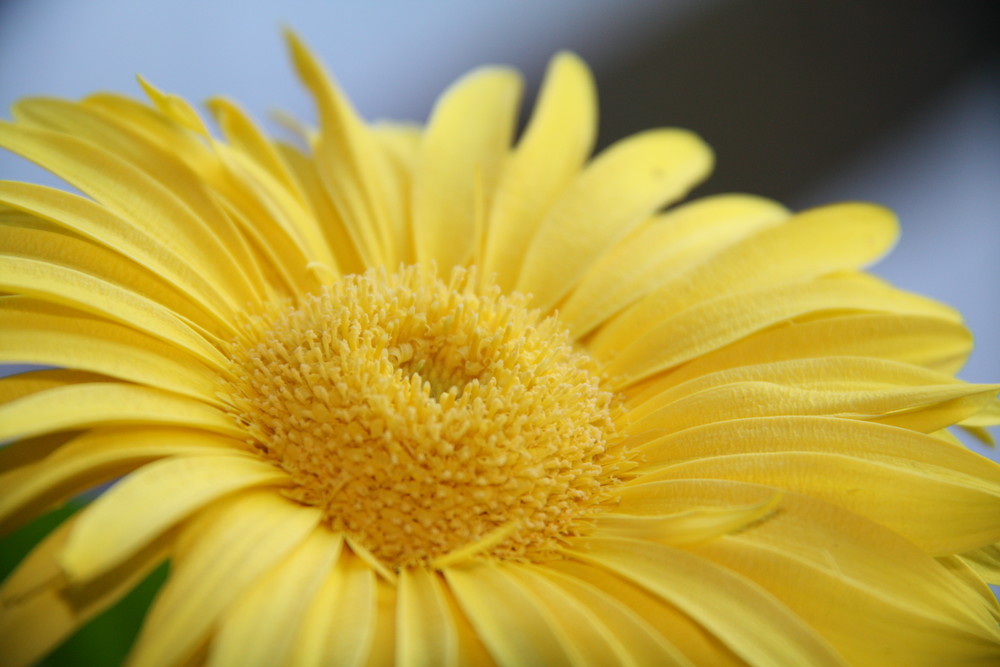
[(941, 496), (850, 387), (151, 500), (657, 345), (38, 332), (623, 186), (37, 608), (65, 286), (107, 403), (163, 256), (462, 153), (814, 243), (664, 247), (339, 625), (260, 627), (152, 202), (555, 144), (95, 457), (858, 584), (638, 641), (931, 342), (509, 618), (751, 622), (79, 256), (222, 553), (425, 624)]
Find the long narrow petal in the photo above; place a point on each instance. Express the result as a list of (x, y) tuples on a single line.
[(834, 568), (637, 640), (851, 387), (659, 345), (461, 155), (664, 247), (95, 457), (509, 618), (138, 197), (555, 144), (425, 624), (38, 610), (754, 625), (65, 286), (584, 634), (37, 332), (694, 642), (339, 626), (107, 403), (259, 628), (814, 243), (228, 548), (943, 497), (354, 170), (69, 252), (932, 342), (622, 187), (151, 500), (163, 256)]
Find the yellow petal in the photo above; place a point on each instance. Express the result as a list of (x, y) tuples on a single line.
[(508, 617), (584, 635), (851, 387), (639, 642), (354, 170), (151, 500), (932, 342), (65, 286), (656, 345), (338, 236), (751, 622), (461, 155), (161, 255), (555, 144), (662, 248), (92, 458), (942, 497), (71, 253), (38, 611), (622, 187), (107, 403), (673, 626), (223, 552), (174, 107), (690, 526), (426, 633), (259, 628), (340, 624), (22, 385), (857, 584), (813, 243), (986, 562), (159, 202), (36, 332)]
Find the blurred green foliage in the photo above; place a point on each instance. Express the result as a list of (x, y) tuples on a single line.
[(106, 639)]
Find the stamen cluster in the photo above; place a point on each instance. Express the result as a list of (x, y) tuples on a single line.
[(424, 416)]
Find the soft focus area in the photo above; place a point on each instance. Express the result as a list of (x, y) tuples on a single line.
[(893, 102)]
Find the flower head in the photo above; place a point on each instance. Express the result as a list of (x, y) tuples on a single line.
[(411, 394)]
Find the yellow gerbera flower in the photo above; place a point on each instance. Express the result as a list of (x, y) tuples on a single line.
[(410, 395)]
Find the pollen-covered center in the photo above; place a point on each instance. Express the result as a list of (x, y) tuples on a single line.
[(429, 419)]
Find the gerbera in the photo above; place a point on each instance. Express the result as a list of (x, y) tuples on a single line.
[(410, 394)]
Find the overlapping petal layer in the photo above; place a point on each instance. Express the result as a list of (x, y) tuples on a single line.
[(785, 492)]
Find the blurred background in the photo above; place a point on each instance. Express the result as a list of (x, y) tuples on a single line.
[(891, 101)]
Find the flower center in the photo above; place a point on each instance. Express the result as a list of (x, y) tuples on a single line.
[(429, 420)]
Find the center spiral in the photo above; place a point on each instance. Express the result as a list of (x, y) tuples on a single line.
[(427, 417)]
